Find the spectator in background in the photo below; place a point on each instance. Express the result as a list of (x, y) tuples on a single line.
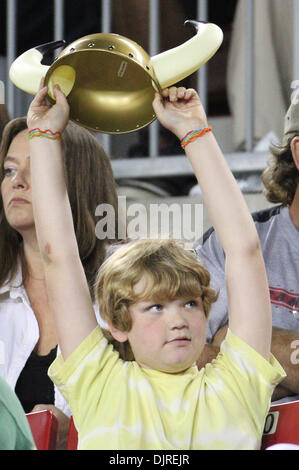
[(278, 229), (15, 433)]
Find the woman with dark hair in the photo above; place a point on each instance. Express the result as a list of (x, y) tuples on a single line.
[(27, 334)]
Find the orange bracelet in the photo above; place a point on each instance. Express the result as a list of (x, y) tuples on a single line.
[(47, 133), (193, 135)]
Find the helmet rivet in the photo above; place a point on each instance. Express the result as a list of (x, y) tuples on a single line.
[(131, 55), (72, 49), (111, 47), (91, 44)]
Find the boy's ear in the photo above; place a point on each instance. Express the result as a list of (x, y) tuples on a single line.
[(295, 151), (120, 336)]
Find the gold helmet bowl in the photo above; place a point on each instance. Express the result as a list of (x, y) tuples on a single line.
[(109, 82)]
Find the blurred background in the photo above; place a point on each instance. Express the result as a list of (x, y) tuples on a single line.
[(245, 88)]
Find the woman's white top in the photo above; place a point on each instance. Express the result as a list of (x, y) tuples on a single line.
[(19, 334)]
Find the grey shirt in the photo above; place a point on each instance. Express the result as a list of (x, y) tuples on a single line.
[(280, 246)]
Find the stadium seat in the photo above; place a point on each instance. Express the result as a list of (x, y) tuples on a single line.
[(44, 427), (282, 425), (72, 441)]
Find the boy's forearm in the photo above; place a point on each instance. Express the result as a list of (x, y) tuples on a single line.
[(71, 307), (181, 111), (227, 208), (67, 287), (50, 199)]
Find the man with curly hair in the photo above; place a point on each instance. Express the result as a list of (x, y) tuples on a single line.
[(278, 229)]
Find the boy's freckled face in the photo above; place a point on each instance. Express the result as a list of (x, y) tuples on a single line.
[(167, 336)]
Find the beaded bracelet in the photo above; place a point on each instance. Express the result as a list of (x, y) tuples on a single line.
[(47, 133), (193, 135)]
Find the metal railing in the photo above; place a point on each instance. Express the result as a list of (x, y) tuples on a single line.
[(157, 165)]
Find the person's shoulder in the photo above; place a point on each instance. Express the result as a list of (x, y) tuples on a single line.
[(210, 232), (266, 215), (246, 359), (241, 366), (260, 217), (270, 224), (208, 236)]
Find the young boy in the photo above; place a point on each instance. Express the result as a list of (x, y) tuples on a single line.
[(156, 296)]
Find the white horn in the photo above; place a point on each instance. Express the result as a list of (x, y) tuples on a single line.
[(27, 71), (178, 63)]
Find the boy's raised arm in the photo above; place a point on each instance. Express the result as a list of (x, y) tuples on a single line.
[(67, 288), (180, 111)]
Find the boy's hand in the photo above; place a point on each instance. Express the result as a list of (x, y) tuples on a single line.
[(41, 115), (179, 110)]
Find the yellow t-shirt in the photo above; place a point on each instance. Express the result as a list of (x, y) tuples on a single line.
[(119, 405)]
